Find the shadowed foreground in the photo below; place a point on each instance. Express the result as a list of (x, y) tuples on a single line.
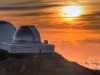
[(43, 64)]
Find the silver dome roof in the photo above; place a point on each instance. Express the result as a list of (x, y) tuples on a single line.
[(6, 31), (27, 34)]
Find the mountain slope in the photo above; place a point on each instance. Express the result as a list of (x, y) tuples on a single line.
[(43, 64)]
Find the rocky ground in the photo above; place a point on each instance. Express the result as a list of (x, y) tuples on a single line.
[(42, 64)]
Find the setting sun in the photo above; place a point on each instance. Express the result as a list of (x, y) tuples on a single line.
[(72, 11)]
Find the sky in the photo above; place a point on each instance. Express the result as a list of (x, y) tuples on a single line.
[(72, 25)]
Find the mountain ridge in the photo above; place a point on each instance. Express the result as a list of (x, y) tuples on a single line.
[(42, 64)]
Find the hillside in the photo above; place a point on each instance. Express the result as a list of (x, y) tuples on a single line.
[(43, 64)]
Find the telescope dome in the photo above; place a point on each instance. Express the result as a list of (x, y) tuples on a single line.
[(7, 31), (27, 34)]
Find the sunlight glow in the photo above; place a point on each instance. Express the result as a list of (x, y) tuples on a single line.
[(72, 11)]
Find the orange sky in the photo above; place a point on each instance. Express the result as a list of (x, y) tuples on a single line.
[(72, 25)]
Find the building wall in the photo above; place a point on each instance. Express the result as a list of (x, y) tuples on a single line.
[(21, 49), (26, 48), (47, 49), (33, 49), (6, 47)]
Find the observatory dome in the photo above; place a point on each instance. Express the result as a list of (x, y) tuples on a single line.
[(6, 31), (27, 34)]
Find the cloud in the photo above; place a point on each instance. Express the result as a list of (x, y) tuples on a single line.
[(91, 27), (90, 17), (95, 14), (65, 42), (26, 2), (34, 2), (49, 26), (89, 41), (31, 14), (36, 7), (93, 20), (88, 27), (89, 4), (81, 26), (53, 25)]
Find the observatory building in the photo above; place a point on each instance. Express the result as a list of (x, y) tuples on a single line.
[(25, 40)]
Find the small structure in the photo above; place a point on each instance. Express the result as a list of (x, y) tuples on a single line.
[(27, 40)]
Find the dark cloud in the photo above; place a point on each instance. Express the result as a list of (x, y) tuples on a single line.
[(22, 3), (53, 26), (89, 41), (91, 27), (36, 7), (93, 19), (34, 2), (81, 26), (47, 25), (28, 2), (95, 14), (88, 27), (85, 26), (90, 17), (88, 4), (31, 14), (66, 42)]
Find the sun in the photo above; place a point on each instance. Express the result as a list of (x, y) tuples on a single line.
[(72, 11)]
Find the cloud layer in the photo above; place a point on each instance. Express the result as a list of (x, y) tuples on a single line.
[(89, 41), (36, 7), (30, 14)]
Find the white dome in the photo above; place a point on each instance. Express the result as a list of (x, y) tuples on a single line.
[(27, 34), (6, 31)]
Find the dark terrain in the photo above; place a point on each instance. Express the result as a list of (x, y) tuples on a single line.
[(42, 64)]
